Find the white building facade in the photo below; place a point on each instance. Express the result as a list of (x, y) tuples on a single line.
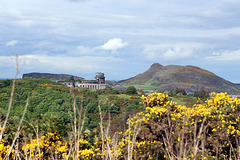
[(97, 83)]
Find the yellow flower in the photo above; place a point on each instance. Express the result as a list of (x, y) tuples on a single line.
[(214, 130)]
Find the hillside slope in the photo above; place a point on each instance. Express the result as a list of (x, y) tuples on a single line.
[(191, 78)]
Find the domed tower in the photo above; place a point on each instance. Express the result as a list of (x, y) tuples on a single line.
[(100, 77)]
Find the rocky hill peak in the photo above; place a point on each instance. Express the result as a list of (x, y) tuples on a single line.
[(156, 66), (191, 78)]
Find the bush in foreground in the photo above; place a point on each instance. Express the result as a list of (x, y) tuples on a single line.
[(164, 130)]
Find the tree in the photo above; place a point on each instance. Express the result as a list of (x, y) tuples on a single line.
[(5, 83), (131, 90), (113, 90), (79, 80), (204, 94), (181, 91), (114, 107)]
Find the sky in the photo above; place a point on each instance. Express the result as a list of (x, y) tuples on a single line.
[(120, 38)]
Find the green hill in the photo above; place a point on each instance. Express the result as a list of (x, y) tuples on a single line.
[(191, 78)]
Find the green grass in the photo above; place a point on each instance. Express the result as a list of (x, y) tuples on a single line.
[(123, 96), (178, 100), (148, 87), (105, 96)]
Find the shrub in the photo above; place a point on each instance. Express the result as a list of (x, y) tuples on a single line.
[(167, 130), (131, 90)]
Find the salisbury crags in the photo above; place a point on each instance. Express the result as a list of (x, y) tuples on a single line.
[(49, 76)]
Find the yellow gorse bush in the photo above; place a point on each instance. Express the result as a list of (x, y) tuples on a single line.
[(164, 130), (53, 144), (4, 148), (216, 121)]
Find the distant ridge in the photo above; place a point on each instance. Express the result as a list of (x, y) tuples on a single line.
[(191, 78), (49, 76)]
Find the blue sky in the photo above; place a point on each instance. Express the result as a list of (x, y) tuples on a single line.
[(120, 38)]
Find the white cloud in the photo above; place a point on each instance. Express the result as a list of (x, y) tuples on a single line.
[(178, 52), (59, 63), (6, 61), (114, 44), (63, 64), (225, 55), (84, 50), (171, 51), (77, 0), (98, 51), (12, 43), (215, 53), (81, 51)]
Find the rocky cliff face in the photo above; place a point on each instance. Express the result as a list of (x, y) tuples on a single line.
[(50, 76), (191, 78)]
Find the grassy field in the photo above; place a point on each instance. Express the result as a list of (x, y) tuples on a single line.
[(105, 96)]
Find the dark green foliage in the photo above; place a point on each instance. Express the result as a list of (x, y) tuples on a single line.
[(51, 105), (79, 80), (46, 97), (5, 83), (180, 91), (170, 93), (114, 107), (107, 91), (100, 91), (113, 91), (203, 94), (91, 105), (135, 105), (131, 90), (50, 102), (87, 92)]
